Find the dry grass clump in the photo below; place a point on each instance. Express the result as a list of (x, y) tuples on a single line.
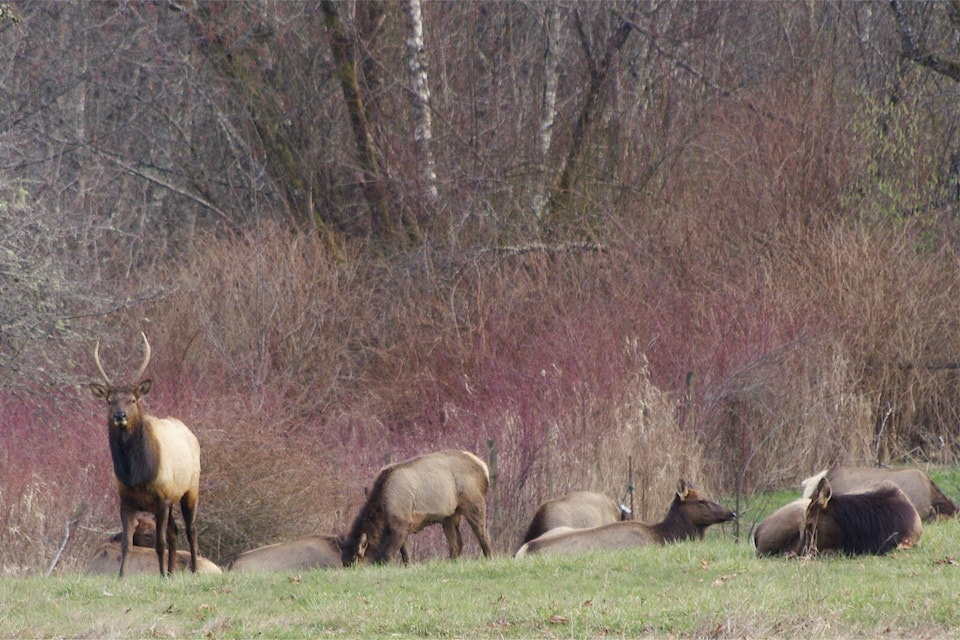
[(25, 536), (51, 522), (261, 486), (634, 430)]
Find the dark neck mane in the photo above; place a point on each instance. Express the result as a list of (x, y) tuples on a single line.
[(676, 526), (134, 455), (870, 523), (370, 520)]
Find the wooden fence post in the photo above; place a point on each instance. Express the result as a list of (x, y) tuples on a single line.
[(492, 464)]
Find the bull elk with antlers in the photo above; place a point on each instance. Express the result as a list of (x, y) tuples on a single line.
[(156, 462)]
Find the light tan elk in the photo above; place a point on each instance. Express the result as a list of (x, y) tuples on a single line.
[(576, 510), (156, 462), (108, 556), (434, 488), (779, 532), (308, 552)]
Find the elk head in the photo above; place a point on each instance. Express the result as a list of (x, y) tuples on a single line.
[(124, 401)]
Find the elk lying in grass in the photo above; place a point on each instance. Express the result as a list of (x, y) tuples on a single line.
[(779, 532), (308, 552), (144, 533), (875, 522), (690, 514), (577, 510), (156, 462), (141, 560), (927, 498)]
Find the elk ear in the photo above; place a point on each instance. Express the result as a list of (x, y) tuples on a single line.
[(682, 489), (99, 391), (823, 493), (362, 545), (143, 388)]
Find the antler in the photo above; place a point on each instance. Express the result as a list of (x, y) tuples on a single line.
[(146, 357), (96, 358)]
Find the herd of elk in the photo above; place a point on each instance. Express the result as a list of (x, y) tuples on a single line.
[(156, 461)]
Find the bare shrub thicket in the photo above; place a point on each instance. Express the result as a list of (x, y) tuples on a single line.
[(275, 331)]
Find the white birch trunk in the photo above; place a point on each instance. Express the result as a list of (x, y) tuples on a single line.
[(548, 106), (420, 92)]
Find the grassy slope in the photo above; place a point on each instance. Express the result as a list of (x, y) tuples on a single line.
[(713, 588)]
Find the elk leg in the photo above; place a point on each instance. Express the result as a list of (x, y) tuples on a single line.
[(391, 541), (128, 520), (188, 508), (451, 529), (403, 554), (162, 515), (476, 515), (172, 541)]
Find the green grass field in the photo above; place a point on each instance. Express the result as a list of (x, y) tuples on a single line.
[(714, 588)]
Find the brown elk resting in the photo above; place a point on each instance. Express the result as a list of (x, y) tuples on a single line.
[(690, 514), (927, 498), (577, 510), (779, 532), (108, 556), (874, 522), (307, 552)]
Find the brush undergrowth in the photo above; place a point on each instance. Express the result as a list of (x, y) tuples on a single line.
[(696, 589)]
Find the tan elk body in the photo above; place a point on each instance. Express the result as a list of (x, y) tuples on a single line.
[(689, 515), (435, 488), (156, 462), (307, 552), (576, 510)]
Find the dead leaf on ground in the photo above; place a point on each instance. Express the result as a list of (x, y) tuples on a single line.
[(722, 580)]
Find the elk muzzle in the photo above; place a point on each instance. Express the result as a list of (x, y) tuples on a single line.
[(119, 419)]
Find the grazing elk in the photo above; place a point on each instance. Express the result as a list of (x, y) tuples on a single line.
[(689, 515), (308, 552), (929, 501), (779, 532), (577, 510), (156, 462), (407, 496), (874, 522)]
